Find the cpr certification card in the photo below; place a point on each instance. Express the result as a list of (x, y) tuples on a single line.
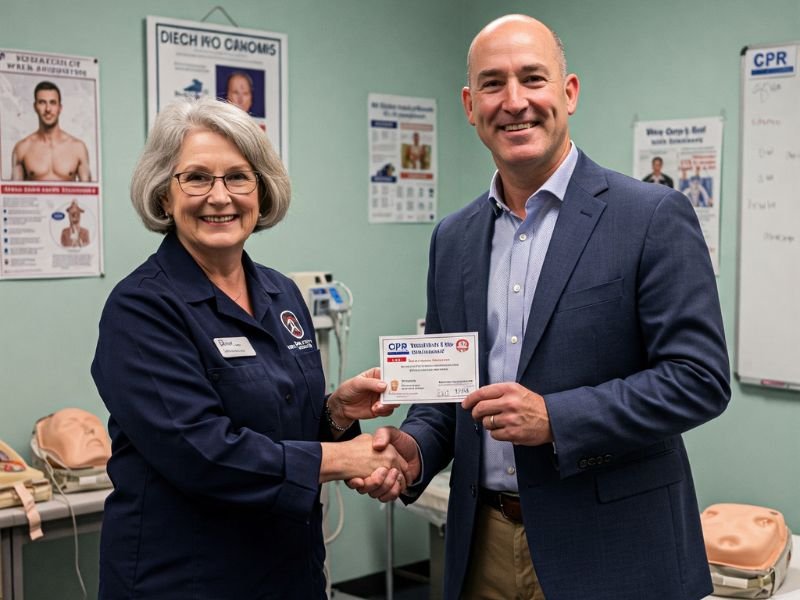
[(429, 368)]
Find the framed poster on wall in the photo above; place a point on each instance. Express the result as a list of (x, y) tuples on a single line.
[(247, 67)]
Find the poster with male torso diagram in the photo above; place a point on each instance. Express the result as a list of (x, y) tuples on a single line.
[(50, 172), (246, 67)]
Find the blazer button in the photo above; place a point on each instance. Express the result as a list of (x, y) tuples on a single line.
[(477, 429), (592, 461), (473, 489), (214, 377), (607, 458), (582, 463), (288, 398)]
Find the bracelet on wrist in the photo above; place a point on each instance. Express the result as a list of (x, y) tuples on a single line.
[(333, 424)]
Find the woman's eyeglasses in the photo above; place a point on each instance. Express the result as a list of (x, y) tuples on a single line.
[(198, 183)]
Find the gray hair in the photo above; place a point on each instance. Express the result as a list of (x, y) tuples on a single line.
[(156, 166)]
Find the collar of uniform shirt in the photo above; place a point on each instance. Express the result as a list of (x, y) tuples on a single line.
[(556, 185)]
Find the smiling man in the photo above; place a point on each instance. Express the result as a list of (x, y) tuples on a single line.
[(49, 153), (601, 343)]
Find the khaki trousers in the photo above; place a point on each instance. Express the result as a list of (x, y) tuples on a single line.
[(500, 567)]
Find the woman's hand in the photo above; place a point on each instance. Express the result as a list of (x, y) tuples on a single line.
[(358, 458), (359, 398)]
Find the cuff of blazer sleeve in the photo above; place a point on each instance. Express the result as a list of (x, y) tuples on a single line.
[(302, 461)]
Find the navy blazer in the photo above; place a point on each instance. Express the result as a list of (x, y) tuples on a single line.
[(215, 459), (625, 342)]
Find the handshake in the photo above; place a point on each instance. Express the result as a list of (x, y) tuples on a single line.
[(381, 465)]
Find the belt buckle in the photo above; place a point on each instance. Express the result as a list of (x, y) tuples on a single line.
[(502, 508)]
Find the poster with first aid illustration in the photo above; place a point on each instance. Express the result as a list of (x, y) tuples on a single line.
[(50, 172), (686, 155), (402, 159)]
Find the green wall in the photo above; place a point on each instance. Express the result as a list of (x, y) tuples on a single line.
[(635, 59)]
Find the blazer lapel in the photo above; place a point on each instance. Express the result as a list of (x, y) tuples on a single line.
[(577, 218), (476, 260)]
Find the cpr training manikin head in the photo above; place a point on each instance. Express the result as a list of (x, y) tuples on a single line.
[(744, 536), (73, 438)]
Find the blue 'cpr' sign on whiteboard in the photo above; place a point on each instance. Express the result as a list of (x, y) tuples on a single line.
[(771, 62)]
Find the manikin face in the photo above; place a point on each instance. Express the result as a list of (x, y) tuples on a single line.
[(211, 225), (518, 99), (48, 106), (239, 92), (741, 534), (75, 438)]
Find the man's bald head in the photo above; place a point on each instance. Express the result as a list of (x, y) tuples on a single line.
[(524, 19)]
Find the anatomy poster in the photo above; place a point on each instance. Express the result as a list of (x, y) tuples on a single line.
[(50, 173), (402, 159)]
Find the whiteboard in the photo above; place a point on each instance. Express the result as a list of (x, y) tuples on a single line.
[(768, 325)]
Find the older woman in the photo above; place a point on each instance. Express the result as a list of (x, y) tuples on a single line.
[(207, 362)]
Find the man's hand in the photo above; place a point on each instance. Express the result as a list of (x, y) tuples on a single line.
[(359, 398), (383, 484), (511, 413), (360, 458)]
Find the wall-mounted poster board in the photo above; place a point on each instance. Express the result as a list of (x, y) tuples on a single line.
[(768, 333)]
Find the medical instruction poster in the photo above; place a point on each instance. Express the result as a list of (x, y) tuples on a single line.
[(50, 171), (429, 368), (402, 159), (685, 154), (247, 67)]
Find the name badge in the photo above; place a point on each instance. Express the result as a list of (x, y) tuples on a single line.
[(429, 368), (234, 347)]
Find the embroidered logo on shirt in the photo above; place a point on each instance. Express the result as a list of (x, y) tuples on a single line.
[(292, 324)]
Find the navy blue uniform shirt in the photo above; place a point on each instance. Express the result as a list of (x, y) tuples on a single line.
[(215, 455)]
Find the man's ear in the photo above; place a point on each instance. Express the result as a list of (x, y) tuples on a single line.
[(572, 88), (466, 101)]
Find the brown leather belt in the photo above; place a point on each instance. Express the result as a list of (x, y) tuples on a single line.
[(508, 504)]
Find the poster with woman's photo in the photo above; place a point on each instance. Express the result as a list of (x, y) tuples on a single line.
[(685, 154), (246, 67), (49, 166)]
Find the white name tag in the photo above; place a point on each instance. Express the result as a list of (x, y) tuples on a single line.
[(234, 347), (429, 368)]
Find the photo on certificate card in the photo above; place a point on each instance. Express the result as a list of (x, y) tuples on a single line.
[(429, 368)]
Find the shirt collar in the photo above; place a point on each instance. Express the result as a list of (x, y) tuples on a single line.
[(556, 185), (192, 283)]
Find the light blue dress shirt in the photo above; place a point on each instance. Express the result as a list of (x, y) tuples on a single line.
[(518, 250)]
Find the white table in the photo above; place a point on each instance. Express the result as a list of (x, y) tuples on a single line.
[(56, 523), (432, 505)]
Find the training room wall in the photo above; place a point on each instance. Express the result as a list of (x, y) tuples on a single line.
[(664, 60), (651, 60), (338, 52)]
